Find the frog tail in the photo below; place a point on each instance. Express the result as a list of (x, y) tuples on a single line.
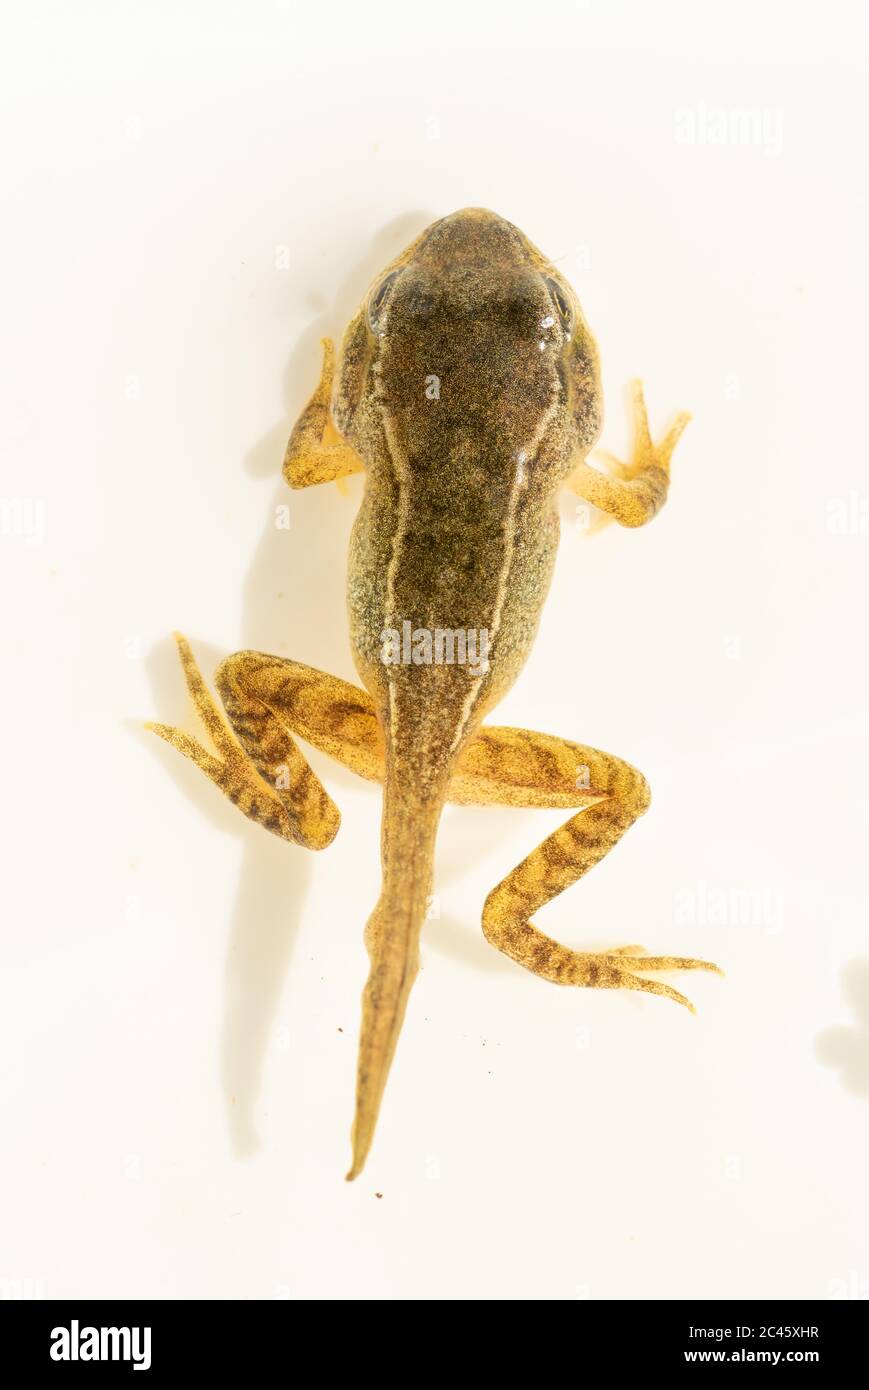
[(392, 937)]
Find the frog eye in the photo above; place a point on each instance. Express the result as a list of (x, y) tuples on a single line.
[(378, 300), (562, 304)]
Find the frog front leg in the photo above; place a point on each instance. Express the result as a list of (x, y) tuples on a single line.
[(316, 452), (640, 490)]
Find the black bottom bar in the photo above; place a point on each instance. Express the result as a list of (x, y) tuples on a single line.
[(222, 1338)]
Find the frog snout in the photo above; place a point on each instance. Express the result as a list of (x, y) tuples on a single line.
[(474, 236)]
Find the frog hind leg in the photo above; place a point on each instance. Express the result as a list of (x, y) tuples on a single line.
[(518, 767), (258, 765)]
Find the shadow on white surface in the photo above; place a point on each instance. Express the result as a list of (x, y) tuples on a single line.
[(847, 1048), (271, 894)]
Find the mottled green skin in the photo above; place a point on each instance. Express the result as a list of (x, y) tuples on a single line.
[(454, 531)]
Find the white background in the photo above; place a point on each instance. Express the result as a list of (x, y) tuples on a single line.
[(191, 196)]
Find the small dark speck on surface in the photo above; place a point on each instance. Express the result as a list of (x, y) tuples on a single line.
[(340, 1030), (378, 1195)]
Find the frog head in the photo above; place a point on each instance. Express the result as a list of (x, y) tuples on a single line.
[(471, 340)]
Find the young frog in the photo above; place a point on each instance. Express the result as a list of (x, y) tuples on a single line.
[(469, 393)]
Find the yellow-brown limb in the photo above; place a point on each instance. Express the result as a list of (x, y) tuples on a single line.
[(316, 453), (622, 795), (259, 767), (640, 490)]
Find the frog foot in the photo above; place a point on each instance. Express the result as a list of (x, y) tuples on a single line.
[(624, 967), (646, 455)]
